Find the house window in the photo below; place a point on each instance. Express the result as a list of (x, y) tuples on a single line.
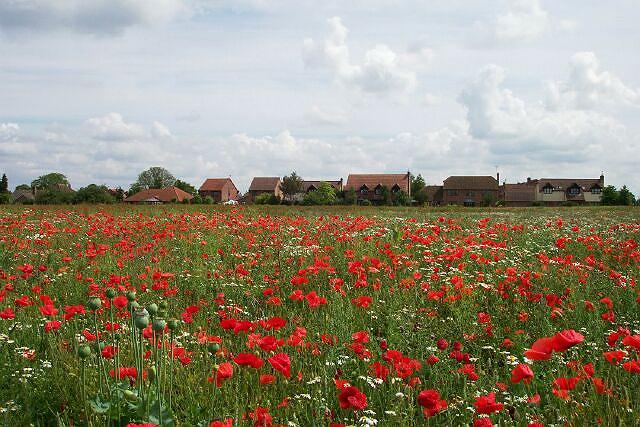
[(548, 190), (378, 190), (395, 188), (596, 190), (574, 191), (469, 193), (364, 190), (452, 192)]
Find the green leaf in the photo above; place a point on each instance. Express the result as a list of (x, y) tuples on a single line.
[(98, 405), (158, 412)]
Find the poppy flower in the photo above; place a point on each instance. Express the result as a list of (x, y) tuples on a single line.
[(522, 372), (281, 363), (352, 397), (431, 402), (249, 359), (7, 314), (540, 350), (226, 423), (632, 341), (487, 404), (564, 340), (223, 373)]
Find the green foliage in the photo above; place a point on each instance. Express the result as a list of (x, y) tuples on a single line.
[(402, 199), (386, 195), (626, 197), (325, 194), (185, 186), (54, 197), (50, 181), (5, 198), (291, 185), (267, 199), (611, 196), (154, 177), (417, 184), (93, 193), (23, 187), (197, 199), (365, 202), (4, 184), (350, 197)]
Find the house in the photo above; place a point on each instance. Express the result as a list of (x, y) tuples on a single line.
[(556, 191), (370, 186), (156, 196), (219, 189), (520, 194), (23, 197), (470, 190), (263, 185), (433, 194), (308, 186)]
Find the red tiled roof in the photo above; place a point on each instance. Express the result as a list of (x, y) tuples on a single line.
[(160, 194), (215, 184), (307, 184), (356, 181), (264, 183), (471, 182)]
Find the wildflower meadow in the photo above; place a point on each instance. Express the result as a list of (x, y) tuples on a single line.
[(342, 316)]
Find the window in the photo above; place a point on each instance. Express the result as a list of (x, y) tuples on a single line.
[(395, 188), (469, 193), (452, 192), (596, 190), (574, 191), (547, 190), (364, 190)]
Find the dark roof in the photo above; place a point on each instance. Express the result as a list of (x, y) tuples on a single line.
[(307, 184), (264, 183), (356, 181), (471, 182), (22, 194), (519, 192), (215, 184), (160, 194), (564, 183)]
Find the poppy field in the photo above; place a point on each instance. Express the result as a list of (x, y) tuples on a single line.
[(246, 316)]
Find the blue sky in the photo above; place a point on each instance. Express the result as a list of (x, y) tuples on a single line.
[(101, 90)]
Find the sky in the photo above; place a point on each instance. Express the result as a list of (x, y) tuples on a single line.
[(101, 90)]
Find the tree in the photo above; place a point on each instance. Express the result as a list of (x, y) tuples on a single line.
[(325, 194), (421, 196), (626, 197), (54, 197), (610, 195), (154, 177), (350, 197), (267, 199), (185, 186), (386, 195), (291, 185), (4, 184), (93, 193), (50, 181), (118, 194), (417, 184), (23, 187), (402, 199)]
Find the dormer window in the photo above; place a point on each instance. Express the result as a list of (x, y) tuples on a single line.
[(548, 189), (364, 190), (596, 190), (574, 191), (395, 188), (378, 190)]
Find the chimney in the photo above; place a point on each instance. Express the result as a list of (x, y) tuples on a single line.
[(602, 179), (528, 179), (408, 183), (498, 177)]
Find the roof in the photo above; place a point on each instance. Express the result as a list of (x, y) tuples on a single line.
[(215, 184), (564, 183), (22, 194), (307, 184), (160, 194), (264, 183), (471, 182), (519, 192), (356, 181)]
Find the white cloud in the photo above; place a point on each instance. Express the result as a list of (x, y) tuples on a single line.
[(326, 116), (160, 131), (525, 20), (112, 127), (105, 17), (588, 87), (8, 131), (382, 72)]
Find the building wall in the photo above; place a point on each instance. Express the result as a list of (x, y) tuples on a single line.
[(556, 196), (477, 196)]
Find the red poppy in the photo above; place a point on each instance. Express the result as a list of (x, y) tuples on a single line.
[(522, 372), (540, 350), (223, 373), (281, 363), (431, 402), (248, 359), (352, 397), (487, 404), (566, 339)]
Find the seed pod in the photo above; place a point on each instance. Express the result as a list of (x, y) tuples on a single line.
[(163, 305), (151, 373), (213, 347), (141, 318), (131, 296), (152, 309), (84, 351), (110, 293), (158, 325), (130, 396), (173, 324), (94, 303)]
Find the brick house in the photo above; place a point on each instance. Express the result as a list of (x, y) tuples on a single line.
[(261, 185), (308, 186), (470, 190), (157, 196), (520, 194), (369, 186), (219, 189), (555, 191)]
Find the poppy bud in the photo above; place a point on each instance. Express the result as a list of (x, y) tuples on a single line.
[(163, 305), (131, 296), (151, 373), (130, 396), (158, 325), (213, 347), (94, 303), (134, 305), (84, 351), (110, 293), (152, 309), (141, 319), (173, 324)]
